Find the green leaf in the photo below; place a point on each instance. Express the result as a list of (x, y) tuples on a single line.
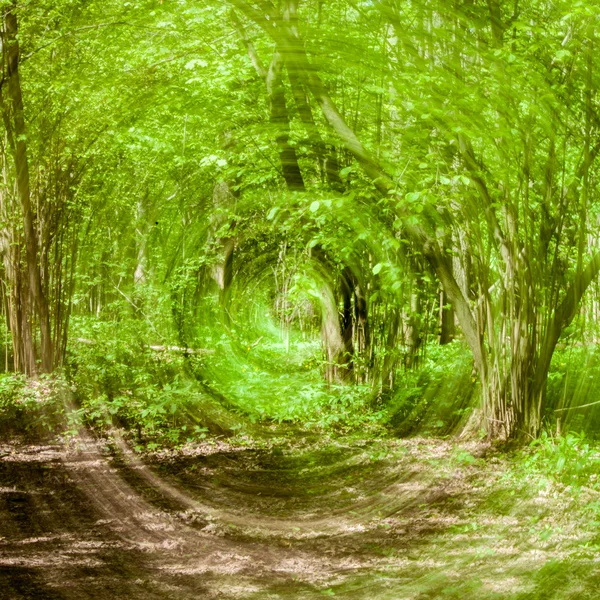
[(314, 207)]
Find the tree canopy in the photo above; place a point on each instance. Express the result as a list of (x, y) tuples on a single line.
[(283, 208)]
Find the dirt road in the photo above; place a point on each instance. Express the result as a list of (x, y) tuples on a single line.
[(395, 519)]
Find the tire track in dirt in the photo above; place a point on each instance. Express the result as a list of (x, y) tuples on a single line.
[(223, 523)]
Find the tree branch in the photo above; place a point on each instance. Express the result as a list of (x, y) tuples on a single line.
[(250, 49), (565, 313), (295, 55)]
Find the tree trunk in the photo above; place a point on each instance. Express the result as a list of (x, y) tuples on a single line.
[(139, 275), (17, 305), (446, 320), (362, 333), (333, 340), (414, 329), (279, 116), (495, 12), (390, 359), (223, 201), (280, 121), (18, 134), (326, 155), (347, 321)]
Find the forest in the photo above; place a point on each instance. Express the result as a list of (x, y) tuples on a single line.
[(299, 298)]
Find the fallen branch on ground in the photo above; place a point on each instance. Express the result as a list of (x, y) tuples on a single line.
[(89, 342)]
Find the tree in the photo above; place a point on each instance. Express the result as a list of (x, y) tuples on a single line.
[(514, 321), (16, 134)]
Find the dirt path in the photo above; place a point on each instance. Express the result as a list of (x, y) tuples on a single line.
[(394, 519)]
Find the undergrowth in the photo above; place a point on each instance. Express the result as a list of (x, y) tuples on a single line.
[(569, 459), (33, 408)]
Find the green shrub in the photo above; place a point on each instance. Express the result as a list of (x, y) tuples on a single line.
[(570, 459), (30, 407), (434, 399)]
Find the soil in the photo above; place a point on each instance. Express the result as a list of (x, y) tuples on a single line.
[(389, 519)]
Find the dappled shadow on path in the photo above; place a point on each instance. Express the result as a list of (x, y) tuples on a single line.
[(385, 519)]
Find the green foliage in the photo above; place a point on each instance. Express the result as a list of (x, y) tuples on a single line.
[(463, 457), (150, 154), (33, 408), (437, 397), (121, 383), (570, 459), (573, 382)]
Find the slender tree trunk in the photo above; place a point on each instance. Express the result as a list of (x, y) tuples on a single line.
[(347, 321), (446, 320), (281, 124), (362, 332), (279, 116), (19, 136), (17, 307), (223, 201), (333, 340), (495, 11), (326, 154), (139, 275), (414, 319)]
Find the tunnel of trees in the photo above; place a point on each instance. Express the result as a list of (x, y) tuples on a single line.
[(299, 298), (244, 186)]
